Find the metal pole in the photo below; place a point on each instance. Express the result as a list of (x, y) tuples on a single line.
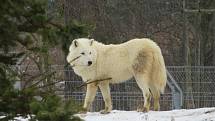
[(176, 91)]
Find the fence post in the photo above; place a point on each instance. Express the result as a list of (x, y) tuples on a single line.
[(177, 93)]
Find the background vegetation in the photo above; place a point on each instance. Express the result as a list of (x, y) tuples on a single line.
[(28, 31)]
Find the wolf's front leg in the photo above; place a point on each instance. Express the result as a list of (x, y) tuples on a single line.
[(105, 89), (90, 95)]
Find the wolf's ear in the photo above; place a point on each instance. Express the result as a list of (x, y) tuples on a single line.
[(75, 43), (91, 42)]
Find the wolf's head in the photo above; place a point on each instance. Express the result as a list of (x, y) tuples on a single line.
[(82, 52)]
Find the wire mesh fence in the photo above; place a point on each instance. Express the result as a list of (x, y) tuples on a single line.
[(197, 84), (125, 96)]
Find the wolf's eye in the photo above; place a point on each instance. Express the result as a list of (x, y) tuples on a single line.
[(82, 53)]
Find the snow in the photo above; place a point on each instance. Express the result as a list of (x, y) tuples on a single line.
[(20, 118), (202, 114)]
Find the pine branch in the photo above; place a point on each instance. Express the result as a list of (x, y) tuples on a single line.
[(59, 26), (50, 84), (45, 76)]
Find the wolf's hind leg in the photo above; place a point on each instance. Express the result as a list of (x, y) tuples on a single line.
[(143, 84), (147, 100), (156, 97)]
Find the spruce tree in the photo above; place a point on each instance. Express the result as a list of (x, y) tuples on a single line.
[(25, 24)]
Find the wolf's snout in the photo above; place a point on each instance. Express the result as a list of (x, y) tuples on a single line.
[(90, 63)]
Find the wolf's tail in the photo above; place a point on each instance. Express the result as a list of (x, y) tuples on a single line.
[(159, 71)]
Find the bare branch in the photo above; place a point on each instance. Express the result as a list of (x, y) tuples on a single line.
[(89, 82)]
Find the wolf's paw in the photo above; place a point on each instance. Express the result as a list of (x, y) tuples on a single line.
[(142, 109), (104, 112)]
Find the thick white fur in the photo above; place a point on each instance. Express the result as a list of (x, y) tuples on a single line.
[(138, 58)]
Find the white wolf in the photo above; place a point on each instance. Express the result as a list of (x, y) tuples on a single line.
[(138, 58)]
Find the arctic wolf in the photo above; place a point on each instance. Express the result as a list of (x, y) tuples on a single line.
[(138, 58)]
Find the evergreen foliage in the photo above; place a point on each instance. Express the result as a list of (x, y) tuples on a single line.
[(51, 108), (24, 24)]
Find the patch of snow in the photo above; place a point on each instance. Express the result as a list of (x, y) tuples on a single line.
[(20, 118), (2, 117), (202, 114)]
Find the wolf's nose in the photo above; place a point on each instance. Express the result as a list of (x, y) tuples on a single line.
[(89, 63)]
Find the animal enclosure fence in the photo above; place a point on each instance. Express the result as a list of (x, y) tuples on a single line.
[(197, 84)]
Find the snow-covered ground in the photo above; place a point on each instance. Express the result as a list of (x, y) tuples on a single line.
[(19, 118), (202, 114)]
